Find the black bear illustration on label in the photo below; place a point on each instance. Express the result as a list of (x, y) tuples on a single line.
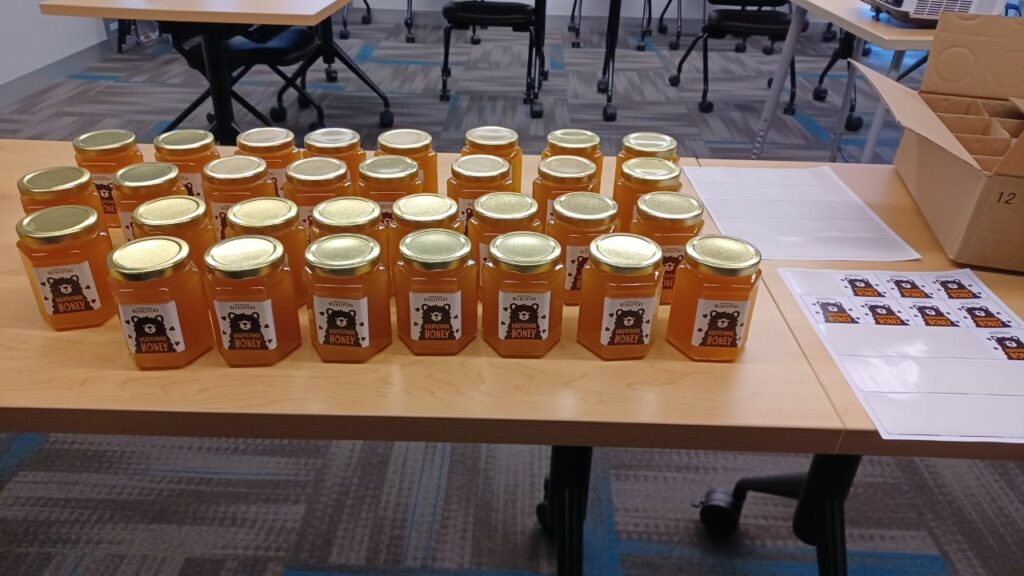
[(628, 329), (863, 287), (909, 289), (523, 322), (884, 315), (956, 290), (436, 323), (671, 263), (106, 192), (151, 335), (932, 316), (1011, 346), (984, 318), (577, 276), (341, 328), (836, 313), (721, 331), (246, 333), (66, 295)]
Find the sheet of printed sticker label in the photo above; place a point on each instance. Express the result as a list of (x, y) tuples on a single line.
[(930, 355)]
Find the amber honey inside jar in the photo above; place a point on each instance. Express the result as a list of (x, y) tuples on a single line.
[(159, 293), (185, 217), (279, 219), (313, 180), (347, 287), (496, 214), (420, 211), (415, 145), (619, 304), (276, 146), (350, 215), (522, 295), (640, 176), (189, 150), (476, 175), (338, 143), (500, 142), (671, 219), (646, 145), (558, 175), (714, 298), (385, 179), (435, 292), (228, 181), (103, 153), (579, 218), (138, 183), (58, 186), (252, 299), (64, 250), (576, 142)]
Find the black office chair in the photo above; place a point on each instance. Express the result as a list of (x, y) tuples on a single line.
[(576, 16), (520, 17), (743, 20), (366, 19)]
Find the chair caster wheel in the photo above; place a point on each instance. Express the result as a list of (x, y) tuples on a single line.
[(536, 110), (575, 43), (662, 28), (641, 47), (673, 80), (789, 109), (740, 47), (543, 518), (770, 82), (387, 118), (768, 50), (315, 126), (719, 513), (866, 51), (474, 40), (303, 102), (410, 39), (673, 45), (445, 96), (211, 117), (706, 106), (572, 29), (408, 23), (609, 113), (820, 93), (545, 74), (854, 123), (331, 75), (366, 19), (829, 36), (278, 113), (602, 86), (344, 34)]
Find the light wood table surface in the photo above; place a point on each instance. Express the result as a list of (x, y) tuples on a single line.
[(855, 17), (283, 12), (883, 191), (84, 381)]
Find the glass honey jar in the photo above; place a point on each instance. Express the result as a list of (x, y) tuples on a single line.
[(350, 215), (138, 183), (714, 300), (350, 307), (189, 150), (279, 219), (646, 145), (640, 176), (103, 153), (385, 179), (185, 217), (621, 291), (576, 142), (500, 142), (228, 181), (558, 175), (671, 219), (64, 250), (579, 218), (420, 211), (58, 186), (476, 175), (276, 146), (522, 295), (159, 294), (251, 300), (416, 146), (499, 213), (310, 181), (435, 282), (338, 143)]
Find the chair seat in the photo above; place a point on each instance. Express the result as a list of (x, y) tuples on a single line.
[(474, 13), (771, 23), (290, 47)]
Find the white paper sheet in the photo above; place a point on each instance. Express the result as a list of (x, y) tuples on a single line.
[(930, 355), (796, 214)]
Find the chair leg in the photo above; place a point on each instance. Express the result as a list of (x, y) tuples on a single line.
[(296, 82), (790, 108), (263, 119), (578, 26), (368, 17), (645, 25), (662, 27), (188, 111), (531, 66), (409, 36), (673, 80), (679, 25), (446, 71), (705, 105), (344, 34)]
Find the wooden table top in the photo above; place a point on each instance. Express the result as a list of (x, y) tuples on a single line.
[(856, 17), (880, 188), (84, 381), (282, 12)]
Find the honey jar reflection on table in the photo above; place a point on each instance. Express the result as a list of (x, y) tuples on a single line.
[(275, 146), (646, 145), (579, 218), (560, 175), (311, 181), (640, 176), (575, 142), (190, 151), (497, 141), (185, 217), (671, 219), (227, 181), (103, 153), (385, 179), (476, 175), (279, 219), (138, 183), (496, 214), (58, 186), (338, 143), (416, 145)]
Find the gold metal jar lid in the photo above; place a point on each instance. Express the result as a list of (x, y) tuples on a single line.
[(525, 252), (317, 170), (574, 138), (650, 144), (491, 136), (263, 215), (58, 224), (504, 206), (346, 211), (723, 255), (168, 213), (645, 171), (586, 208), (424, 210), (183, 142), (625, 254), (50, 182), (404, 140), (331, 140), (145, 176), (388, 168), (244, 257), (103, 142), (343, 255), (149, 258), (567, 169), (235, 170), (671, 207), (481, 167), (435, 249), (267, 139)]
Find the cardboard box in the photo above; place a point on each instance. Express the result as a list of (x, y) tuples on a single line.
[(962, 153)]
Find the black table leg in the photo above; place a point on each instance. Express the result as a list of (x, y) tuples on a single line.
[(540, 8), (219, 78), (606, 84), (326, 39), (564, 508), (820, 513)]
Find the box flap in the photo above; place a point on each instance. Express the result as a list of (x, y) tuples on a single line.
[(976, 56), (913, 113), (1012, 163), (1018, 102)]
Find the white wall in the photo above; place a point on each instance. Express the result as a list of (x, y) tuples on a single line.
[(29, 40), (598, 8)]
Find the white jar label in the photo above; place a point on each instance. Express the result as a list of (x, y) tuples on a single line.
[(386, 216), (67, 289), (220, 218), (720, 323), (126, 225), (152, 328), (246, 325), (342, 322), (193, 183), (576, 258), (628, 321), (305, 213), (105, 188), (523, 316), (435, 316), (671, 259)]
